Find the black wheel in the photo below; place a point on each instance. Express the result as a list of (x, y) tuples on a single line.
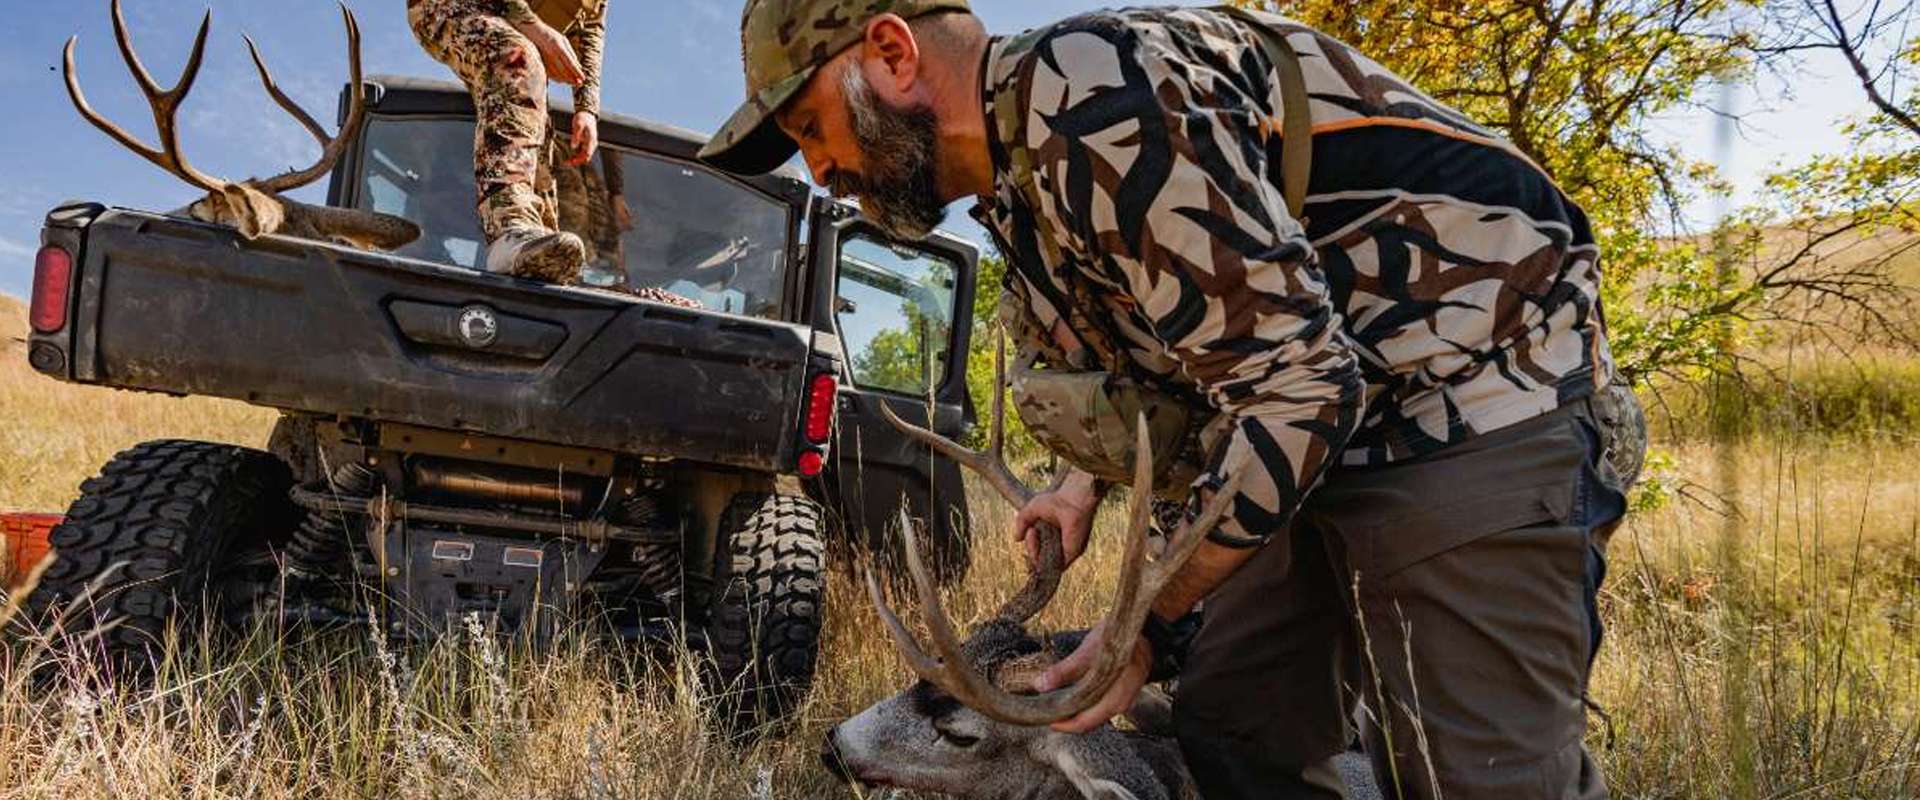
[(147, 536), (763, 630)]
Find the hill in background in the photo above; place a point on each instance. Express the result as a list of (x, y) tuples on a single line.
[(54, 435)]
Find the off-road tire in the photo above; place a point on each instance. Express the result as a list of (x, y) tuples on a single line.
[(158, 522), (763, 630)]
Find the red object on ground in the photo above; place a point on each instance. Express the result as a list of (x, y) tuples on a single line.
[(25, 538)]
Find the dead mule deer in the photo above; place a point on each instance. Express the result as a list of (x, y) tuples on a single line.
[(972, 726), (254, 207)]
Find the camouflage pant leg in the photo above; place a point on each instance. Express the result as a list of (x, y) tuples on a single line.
[(573, 193), (508, 83)]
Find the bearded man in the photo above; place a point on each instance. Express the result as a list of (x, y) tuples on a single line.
[(1406, 361)]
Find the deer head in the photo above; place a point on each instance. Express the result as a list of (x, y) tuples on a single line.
[(253, 207), (973, 726), (927, 740)]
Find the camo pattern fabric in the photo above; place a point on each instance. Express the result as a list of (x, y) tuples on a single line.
[(782, 42), (584, 199), (584, 22), (509, 86), (1437, 286)]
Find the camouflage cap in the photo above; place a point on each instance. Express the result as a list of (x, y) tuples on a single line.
[(782, 43)]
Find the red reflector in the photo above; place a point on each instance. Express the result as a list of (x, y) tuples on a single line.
[(52, 272), (811, 462), (820, 397)]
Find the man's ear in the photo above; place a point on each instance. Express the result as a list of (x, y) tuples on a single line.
[(890, 44)]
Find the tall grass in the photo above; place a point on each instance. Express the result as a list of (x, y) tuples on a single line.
[(1776, 659), (1780, 663), (1875, 397), (53, 434)]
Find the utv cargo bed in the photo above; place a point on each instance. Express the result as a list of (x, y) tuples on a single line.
[(171, 305)]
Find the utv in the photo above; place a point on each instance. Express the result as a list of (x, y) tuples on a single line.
[(670, 448)]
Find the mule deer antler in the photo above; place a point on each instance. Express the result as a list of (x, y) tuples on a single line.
[(165, 103), (331, 147), (1140, 582), (252, 206), (991, 464)]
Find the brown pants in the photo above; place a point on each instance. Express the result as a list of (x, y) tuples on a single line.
[(1449, 598)]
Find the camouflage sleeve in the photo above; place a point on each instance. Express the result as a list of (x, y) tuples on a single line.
[(1158, 168), (589, 39)]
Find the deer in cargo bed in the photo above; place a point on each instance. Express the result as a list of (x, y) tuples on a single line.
[(971, 726), (254, 207)]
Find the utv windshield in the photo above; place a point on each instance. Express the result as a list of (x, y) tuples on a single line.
[(648, 222)]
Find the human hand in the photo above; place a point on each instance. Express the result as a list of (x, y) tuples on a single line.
[(555, 52), (1118, 698), (586, 138), (1068, 508)]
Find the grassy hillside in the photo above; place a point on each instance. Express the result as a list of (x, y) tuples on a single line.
[(54, 434)]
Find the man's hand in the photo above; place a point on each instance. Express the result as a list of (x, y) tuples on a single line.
[(586, 138), (555, 53), (1119, 696), (1068, 507)]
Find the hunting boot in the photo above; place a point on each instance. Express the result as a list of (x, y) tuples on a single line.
[(542, 255)]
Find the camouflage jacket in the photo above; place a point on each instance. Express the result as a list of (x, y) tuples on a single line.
[(585, 24), (1439, 285)]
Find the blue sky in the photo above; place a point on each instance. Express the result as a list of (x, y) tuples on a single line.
[(675, 61)]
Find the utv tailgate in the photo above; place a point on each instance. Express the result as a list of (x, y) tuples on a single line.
[(170, 305)]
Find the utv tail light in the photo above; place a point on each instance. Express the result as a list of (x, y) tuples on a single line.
[(820, 398), (52, 275), (811, 463)]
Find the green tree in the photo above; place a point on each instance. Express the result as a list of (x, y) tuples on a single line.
[(1575, 84), (987, 334)]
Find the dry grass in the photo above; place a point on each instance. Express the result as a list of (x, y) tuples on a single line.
[(1777, 658), (54, 434)]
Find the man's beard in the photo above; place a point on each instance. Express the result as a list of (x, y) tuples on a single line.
[(898, 190)]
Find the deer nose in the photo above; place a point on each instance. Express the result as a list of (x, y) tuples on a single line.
[(830, 757)]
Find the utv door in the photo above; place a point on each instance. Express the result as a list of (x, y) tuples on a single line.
[(903, 314)]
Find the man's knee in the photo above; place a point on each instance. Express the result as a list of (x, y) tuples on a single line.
[(1228, 759)]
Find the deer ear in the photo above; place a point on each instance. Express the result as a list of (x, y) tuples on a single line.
[(1101, 765)]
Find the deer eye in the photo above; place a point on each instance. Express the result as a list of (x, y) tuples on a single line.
[(955, 738)]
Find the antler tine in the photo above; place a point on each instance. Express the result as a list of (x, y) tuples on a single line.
[(140, 74), (299, 114), (984, 463), (1140, 582), (948, 669), (164, 103), (1044, 578), (331, 147)]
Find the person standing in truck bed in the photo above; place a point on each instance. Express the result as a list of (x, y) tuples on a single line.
[(505, 51)]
